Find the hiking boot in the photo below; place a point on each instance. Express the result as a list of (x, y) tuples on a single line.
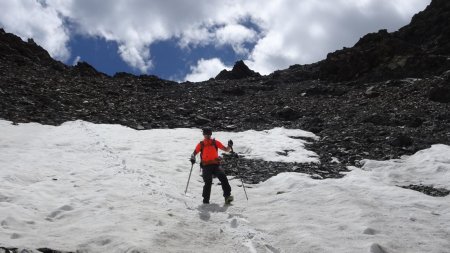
[(205, 201), (228, 199)]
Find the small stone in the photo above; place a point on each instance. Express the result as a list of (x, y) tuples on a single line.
[(371, 93), (316, 176), (369, 231), (201, 120), (230, 127)]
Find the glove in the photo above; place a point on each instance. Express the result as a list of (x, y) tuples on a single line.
[(192, 159), (230, 143)]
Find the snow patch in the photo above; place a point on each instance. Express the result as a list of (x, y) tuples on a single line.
[(429, 167), (108, 188)]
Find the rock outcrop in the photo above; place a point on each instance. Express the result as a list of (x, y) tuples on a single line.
[(239, 71)]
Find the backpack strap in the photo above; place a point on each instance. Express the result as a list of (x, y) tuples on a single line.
[(202, 145), (214, 144)]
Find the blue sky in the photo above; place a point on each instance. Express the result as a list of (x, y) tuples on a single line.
[(194, 40), (170, 61)]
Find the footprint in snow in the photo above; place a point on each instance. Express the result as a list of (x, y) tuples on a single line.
[(15, 236), (234, 223), (57, 212)]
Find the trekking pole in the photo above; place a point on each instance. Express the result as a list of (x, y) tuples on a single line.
[(188, 179), (239, 175)]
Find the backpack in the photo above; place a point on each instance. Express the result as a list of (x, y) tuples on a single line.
[(202, 145)]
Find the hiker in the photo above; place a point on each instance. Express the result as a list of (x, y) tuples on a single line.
[(210, 165)]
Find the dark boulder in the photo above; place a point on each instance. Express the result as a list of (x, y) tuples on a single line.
[(440, 94), (414, 122), (324, 91), (378, 120), (287, 113), (402, 140), (371, 92), (409, 120), (235, 91)]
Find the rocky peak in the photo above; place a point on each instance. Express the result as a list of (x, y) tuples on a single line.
[(430, 29), (239, 71), (85, 69), (14, 47)]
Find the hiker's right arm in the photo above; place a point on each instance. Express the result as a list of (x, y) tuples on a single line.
[(196, 151)]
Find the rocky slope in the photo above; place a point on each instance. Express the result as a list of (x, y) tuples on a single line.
[(387, 96)]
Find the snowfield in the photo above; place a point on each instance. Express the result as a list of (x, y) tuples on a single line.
[(108, 188)]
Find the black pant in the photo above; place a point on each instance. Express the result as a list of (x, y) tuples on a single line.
[(208, 172)]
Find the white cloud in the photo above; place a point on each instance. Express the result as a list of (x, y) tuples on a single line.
[(197, 37), (136, 24), (235, 35), (220, 35), (205, 69), (31, 19), (136, 56), (283, 32), (76, 60)]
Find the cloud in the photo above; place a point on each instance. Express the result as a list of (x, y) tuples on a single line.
[(205, 69), (270, 34), (136, 24), (236, 35), (76, 60), (33, 19), (136, 56)]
